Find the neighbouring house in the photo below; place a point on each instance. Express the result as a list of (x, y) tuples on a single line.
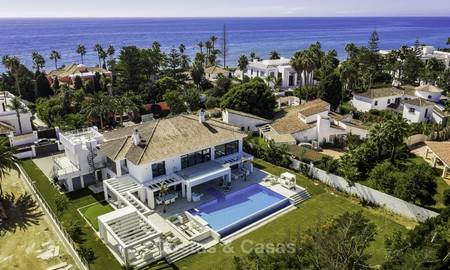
[(311, 121), (377, 99), (429, 52), (245, 121), (67, 74), (158, 110), (81, 165), (279, 69), (418, 110), (440, 152), (213, 73), (9, 120), (287, 101), (422, 103)]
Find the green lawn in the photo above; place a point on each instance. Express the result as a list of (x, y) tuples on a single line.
[(91, 212), (88, 239), (323, 205)]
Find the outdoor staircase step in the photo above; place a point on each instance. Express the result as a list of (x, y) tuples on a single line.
[(183, 252), (300, 197)]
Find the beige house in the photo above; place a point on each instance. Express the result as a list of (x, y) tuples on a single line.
[(440, 151), (213, 73)]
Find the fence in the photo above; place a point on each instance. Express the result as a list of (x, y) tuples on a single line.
[(389, 202), (70, 244)]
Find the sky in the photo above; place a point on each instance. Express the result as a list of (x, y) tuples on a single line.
[(222, 8)]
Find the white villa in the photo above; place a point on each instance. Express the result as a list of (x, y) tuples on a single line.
[(279, 68), (173, 183), (428, 52), (245, 121), (8, 119), (417, 104), (309, 122)]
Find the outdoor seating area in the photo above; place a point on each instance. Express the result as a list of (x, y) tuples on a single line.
[(189, 227), (167, 198)]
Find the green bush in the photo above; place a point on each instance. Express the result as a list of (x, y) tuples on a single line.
[(446, 197)]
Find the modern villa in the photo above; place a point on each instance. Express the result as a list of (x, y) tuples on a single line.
[(279, 69), (8, 118), (428, 52), (178, 185)]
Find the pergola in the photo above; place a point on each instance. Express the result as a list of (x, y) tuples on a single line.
[(156, 186), (124, 189), (131, 235), (441, 152)]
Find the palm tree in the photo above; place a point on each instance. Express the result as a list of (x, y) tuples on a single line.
[(38, 61), (17, 106), (123, 105), (111, 51), (200, 45), (253, 56), (81, 50), (274, 55), (396, 130), (242, 64), (182, 48), (98, 49), (97, 106), (208, 46), (213, 41), (298, 64), (103, 55), (55, 56), (12, 63), (8, 160)]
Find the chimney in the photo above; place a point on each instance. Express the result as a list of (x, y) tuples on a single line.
[(201, 116), (136, 137)]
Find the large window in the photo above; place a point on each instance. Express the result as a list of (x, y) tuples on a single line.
[(158, 169), (195, 158), (226, 149), (110, 164)]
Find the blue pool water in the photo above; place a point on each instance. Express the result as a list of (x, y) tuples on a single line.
[(241, 208)]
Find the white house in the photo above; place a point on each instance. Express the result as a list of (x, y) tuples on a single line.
[(213, 73), (377, 99), (417, 110), (309, 122), (245, 121), (429, 52), (82, 165), (429, 92), (279, 68), (8, 118)]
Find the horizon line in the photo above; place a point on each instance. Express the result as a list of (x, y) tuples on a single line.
[(228, 17)]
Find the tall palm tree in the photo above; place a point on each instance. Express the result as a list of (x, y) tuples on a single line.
[(12, 63), (242, 64), (396, 130), (38, 61), (98, 49), (103, 55), (201, 45), (253, 56), (274, 55), (298, 64), (111, 51), (8, 160), (97, 107), (81, 50), (182, 48), (213, 41), (55, 56), (17, 106)]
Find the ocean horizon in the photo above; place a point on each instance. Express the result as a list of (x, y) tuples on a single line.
[(22, 36)]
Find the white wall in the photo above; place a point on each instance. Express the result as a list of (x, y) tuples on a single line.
[(387, 201), (313, 118), (306, 135), (418, 115), (25, 121), (435, 97), (243, 122), (365, 104)]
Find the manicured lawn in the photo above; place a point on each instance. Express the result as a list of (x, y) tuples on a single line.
[(91, 212), (323, 205), (88, 239)]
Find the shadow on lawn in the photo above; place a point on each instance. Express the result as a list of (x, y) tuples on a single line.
[(22, 212)]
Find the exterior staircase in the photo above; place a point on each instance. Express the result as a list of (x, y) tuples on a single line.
[(183, 252), (300, 197)]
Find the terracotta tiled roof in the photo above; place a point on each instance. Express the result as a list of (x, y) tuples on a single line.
[(165, 138), (313, 107), (429, 88), (381, 92), (441, 150), (420, 102)]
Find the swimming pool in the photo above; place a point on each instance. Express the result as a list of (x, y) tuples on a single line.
[(237, 210)]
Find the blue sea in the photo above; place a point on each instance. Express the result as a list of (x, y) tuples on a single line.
[(261, 35)]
